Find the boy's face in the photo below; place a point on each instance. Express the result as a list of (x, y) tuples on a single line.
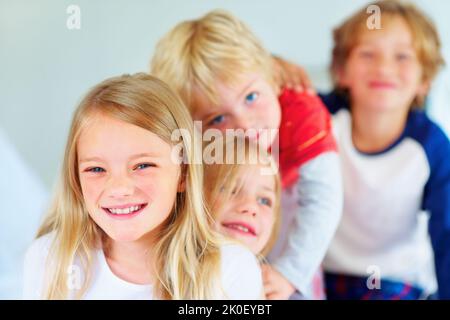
[(128, 179), (250, 104), (249, 215), (383, 72)]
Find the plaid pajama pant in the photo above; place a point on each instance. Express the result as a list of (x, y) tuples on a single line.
[(346, 287)]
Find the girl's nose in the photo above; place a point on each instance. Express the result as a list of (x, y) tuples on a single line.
[(120, 187), (248, 207)]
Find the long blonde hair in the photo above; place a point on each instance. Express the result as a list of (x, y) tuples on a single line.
[(222, 178), (188, 255)]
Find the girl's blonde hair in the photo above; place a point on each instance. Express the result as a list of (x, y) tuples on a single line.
[(222, 178), (188, 255), (424, 34), (196, 54)]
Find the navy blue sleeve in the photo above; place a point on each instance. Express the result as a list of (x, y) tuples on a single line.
[(437, 201), (334, 101)]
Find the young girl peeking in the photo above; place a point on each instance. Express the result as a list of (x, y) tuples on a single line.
[(128, 220), (245, 196)]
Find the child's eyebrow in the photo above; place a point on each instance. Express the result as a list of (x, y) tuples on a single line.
[(215, 112), (269, 189), (144, 155), (405, 45), (97, 159), (136, 156), (209, 115)]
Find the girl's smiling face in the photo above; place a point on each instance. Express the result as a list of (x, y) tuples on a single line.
[(128, 179), (249, 216)]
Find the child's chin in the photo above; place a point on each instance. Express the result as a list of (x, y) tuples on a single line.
[(386, 102), (382, 103), (248, 244), (124, 236), (385, 107)]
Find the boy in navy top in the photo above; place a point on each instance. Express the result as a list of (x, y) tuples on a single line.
[(395, 160)]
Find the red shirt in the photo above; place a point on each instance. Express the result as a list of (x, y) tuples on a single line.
[(305, 132)]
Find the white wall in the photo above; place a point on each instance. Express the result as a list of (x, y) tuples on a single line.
[(45, 68)]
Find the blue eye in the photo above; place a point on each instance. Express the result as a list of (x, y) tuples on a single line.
[(366, 54), (251, 97), (217, 120), (143, 166), (402, 57), (95, 170), (265, 201)]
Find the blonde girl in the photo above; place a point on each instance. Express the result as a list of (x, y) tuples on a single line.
[(128, 220), (243, 192)]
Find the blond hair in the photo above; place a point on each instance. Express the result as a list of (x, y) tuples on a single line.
[(424, 34), (196, 54), (222, 178), (188, 256)]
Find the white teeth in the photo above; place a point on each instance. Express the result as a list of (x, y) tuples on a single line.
[(242, 228), (124, 210), (239, 227)]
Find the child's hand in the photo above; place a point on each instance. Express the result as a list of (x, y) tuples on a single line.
[(276, 287), (290, 75)]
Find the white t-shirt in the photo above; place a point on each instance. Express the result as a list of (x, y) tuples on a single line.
[(240, 275), (384, 229)]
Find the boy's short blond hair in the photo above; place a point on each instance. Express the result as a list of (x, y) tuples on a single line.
[(424, 33), (196, 54)]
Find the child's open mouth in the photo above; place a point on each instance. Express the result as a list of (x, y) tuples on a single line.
[(124, 211), (240, 228)]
